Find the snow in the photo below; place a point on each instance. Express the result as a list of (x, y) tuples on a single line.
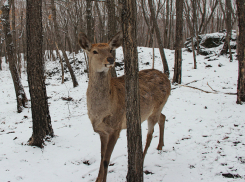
[(204, 132), (6, 3)]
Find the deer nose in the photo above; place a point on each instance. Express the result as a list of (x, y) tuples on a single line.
[(110, 60)]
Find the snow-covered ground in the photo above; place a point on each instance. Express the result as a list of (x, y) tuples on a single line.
[(204, 132)]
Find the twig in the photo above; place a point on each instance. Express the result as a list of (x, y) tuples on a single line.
[(211, 88)]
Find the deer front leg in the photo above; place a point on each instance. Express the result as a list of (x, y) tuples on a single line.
[(110, 146), (104, 141)]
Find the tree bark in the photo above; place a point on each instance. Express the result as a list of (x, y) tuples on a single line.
[(19, 90), (178, 42), (241, 50), (35, 68), (135, 162), (158, 36)]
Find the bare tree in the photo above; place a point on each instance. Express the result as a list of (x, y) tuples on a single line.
[(35, 68), (178, 42), (112, 25), (58, 38), (227, 13), (166, 27), (19, 90), (1, 45), (197, 18), (135, 155), (89, 19), (158, 36), (241, 48)]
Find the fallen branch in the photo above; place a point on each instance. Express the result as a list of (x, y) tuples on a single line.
[(213, 91), (198, 89), (185, 84)]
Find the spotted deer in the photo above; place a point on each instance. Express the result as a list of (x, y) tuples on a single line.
[(106, 98)]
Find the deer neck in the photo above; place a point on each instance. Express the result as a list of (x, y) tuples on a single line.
[(98, 94), (100, 81)]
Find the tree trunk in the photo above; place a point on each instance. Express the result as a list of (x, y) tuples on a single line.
[(178, 42), (89, 20), (89, 23), (135, 157), (195, 24), (112, 25), (14, 31), (194, 53), (1, 44), (101, 24), (228, 26), (58, 38), (241, 50), (61, 64), (158, 36), (35, 68), (19, 90), (166, 25)]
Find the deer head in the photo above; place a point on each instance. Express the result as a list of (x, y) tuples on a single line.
[(100, 54)]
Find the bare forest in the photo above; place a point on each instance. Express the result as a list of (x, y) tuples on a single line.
[(187, 54), (101, 19)]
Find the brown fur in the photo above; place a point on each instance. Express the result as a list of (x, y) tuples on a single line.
[(106, 99)]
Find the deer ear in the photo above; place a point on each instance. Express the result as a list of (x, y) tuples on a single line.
[(84, 42), (116, 41)]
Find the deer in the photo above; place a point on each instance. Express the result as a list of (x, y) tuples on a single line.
[(106, 98)]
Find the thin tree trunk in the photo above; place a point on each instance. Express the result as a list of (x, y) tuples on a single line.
[(135, 156), (61, 64), (19, 90), (166, 25), (89, 19), (194, 53), (195, 24), (58, 38), (14, 31), (228, 26), (153, 53), (178, 42), (158, 36), (192, 30), (35, 68), (112, 25), (241, 52), (1, 44), (89, 23), (170, 25), (101, 27)]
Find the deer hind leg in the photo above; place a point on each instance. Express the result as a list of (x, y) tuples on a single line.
[(110, 146), (161, 124), (152, 120)]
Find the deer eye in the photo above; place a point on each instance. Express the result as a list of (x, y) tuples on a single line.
[(110, 51), (95, 52)]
